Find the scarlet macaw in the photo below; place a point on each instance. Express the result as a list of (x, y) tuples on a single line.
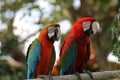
[(41, 53), (75, 50)]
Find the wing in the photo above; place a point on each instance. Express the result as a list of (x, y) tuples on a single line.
[(68, 56), (33, 56)]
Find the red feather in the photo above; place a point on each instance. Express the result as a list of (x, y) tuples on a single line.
[(46, 55), (83, 43)]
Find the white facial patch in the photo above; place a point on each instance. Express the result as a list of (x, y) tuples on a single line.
[(96, 27), (51, 32), (86, 25)]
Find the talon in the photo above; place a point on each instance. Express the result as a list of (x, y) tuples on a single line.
[(50, 77), (78, 75), (89, 73)]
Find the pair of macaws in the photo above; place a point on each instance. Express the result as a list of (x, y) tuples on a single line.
[(74, 54)]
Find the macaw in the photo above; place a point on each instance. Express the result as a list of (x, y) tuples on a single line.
[(41, 53), (92, 63), (75, 50)]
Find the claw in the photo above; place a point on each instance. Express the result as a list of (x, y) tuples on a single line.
[(78, 75), (89, 73), (50, 77)]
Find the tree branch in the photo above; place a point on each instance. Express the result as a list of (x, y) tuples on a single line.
[(97, 76)]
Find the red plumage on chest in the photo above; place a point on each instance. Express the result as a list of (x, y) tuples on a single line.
[(46, 56), (83, 54), (83, 44)]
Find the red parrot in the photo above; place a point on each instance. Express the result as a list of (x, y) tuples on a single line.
[(41, 53), (92, 63), (75, 50)]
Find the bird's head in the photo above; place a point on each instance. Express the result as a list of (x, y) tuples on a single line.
[(54, 32), (87, 25), (90, 25)]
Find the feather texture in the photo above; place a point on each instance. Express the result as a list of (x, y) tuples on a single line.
[(41, 53), (33, 57), (68, 58), (75, 51)]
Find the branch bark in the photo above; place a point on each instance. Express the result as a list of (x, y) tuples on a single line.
[(97, 76)]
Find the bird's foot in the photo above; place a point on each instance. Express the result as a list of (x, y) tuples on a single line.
[(78, 75), (50, 77), (89, 73), (46, 77)]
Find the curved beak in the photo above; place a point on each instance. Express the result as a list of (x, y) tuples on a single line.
[(96, 27), (58, 34)]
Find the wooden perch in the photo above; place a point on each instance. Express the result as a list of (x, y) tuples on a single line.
[(97, 76)]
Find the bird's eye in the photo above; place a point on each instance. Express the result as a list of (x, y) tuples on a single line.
[(58, 30)]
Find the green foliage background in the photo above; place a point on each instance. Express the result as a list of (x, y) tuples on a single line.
[(104, 11), (115, 29)]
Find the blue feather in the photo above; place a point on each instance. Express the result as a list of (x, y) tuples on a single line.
[(33, 56)]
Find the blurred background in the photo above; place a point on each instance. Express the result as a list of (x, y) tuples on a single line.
[(22, 20)]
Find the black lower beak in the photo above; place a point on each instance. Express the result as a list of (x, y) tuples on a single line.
[(89, 31)]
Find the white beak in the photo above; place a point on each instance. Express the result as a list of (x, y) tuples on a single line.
[(96, 27)]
